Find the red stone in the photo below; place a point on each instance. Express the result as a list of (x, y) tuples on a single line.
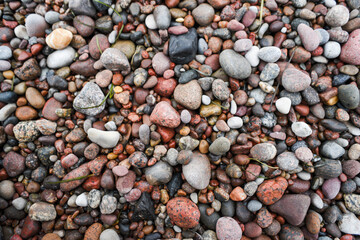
[(165, 115), (165, 87), (30, 228), (183, 212), (270, 191)]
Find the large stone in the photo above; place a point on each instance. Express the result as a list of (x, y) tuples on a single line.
[(349, 224), (41, 211), (294, 80), (349, 95), (183, 48), (89, 96), (234, 64), (165, 115), (105, 139), (14, 164), (188, 95), (198, 172), (82, 7), (293, 207), (158, 174), (350, 49), (183, 212), (263, 151)]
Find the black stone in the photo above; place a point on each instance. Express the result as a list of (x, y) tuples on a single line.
[(101, 7), (12, 213), (8, 97), (242, 213), (183, 48), (340, 79), (48, 182), (327, 168), (188, 76), (333, 125), (144, 209), (84, 219), (44, 154), (332, 214), (228, 208), (175, 184), (57, 82), (153, 236), (208, 221)]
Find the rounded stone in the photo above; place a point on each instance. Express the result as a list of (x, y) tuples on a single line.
[(234, 64)]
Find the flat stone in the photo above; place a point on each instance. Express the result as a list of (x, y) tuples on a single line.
[(197, 172), (105, 139), (234, 64)]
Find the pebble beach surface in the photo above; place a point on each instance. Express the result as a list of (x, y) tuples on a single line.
[(191, 119)]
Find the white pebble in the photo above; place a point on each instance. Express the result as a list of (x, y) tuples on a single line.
[(109, 234), (233, 107), (283, 105), (252, 56), (150, 22), (194, 197), (19, 203), (332, 49), (81, 200), (301, 129), (205, 99), (235, 122)]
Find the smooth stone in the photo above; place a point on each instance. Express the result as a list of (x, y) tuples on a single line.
[(234, 64), (332, 50), (301, 129), (115, 60), (235, 122), (294, 80), (162, 17), (220, 146), (105, 139), (90, 95), (41, 211), (263, 151), (109, 234), (269, 54), (188, 95), (350, 48), (228, 229), (183, 48), (59, 38), (308, 37), (283, 105), (337, 16), (66, 55), (332, 150), (35, 25), (197, 172), (349, 224), (287, 161), (203, 14), (160, 173), (349, 96), (5, 53)]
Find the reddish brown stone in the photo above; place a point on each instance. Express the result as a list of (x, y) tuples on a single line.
[(165, 87), (183, 212), (165, 115), (49, 109), (270, 191), (93, 232), (81, 171)]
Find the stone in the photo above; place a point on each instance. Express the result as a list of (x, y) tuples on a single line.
[(283, 105), (349, 96), (271, 191), (26, 131), (14, 164), (93, 232), (109, 234), (220, 90), (235, 122), (35, 25), (94, 198), (350, 47), (108, 204), (66, 55), (197, 172), (162, 17), (7, 189), (269, 54), (160, 63), (301, 129), (352, 203), (228, 229), (105, 139), (287, 161), (165, 115), (125, 46), (328, 168), (183, 48), (59, 38), (220, 146), (29, 70), (263, 151), (349, 224), (332, 50), (331, 188), (294, 80), (291, 232), (81, 171), (183, 212), (188, 95), (243, 45), (125, 183), (158, 174), (308, 36), (5, 53), (83, 7), (337, 16), (114, 60), (293, 207), (90, 95), (234, 64), (351, 168), (331, 149), (144, 208), (84, 25), (203, 14), (34, 97), (41, 211)]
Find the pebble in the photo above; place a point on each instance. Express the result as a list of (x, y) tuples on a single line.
[(59, 38), (84, 99), (220, 90), (203, 14), (188, 95), (283, 105), (294, 80), (160, 173), (115, 60), (41, 211), (263, 151), (332, 150), (5, 53), (301, 129), (220, 146), (269, 54), (332, 50), (165, 115), (228, 228), (105, 139), (162, 17), (183, 212), (109, 234), (349, 96), (183, 48), (197, 172), (35, 25), (66, 55), (235, 122), (337, 16), (287, 161), (234, 64), (308, 37), (7, 189)]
